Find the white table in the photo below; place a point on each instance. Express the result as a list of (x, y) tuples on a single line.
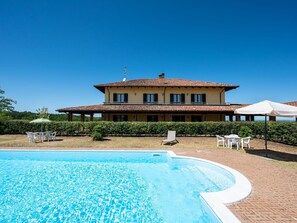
[(232, 139)]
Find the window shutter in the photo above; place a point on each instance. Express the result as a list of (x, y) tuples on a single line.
[(156, 98), (126, 98), (114, 117), (192, 98), (144, 98), (182, 98), (171, 98), (126, 117), (204, 98), (115, 97)]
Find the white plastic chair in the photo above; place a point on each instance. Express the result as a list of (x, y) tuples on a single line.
[(30, 136), (34, 136), (52, 136), (220, 140), (245, 142), (234, 141)]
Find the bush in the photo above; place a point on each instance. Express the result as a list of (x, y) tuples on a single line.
[(99, 132), (100, 128), (245, 131), (97, 136)]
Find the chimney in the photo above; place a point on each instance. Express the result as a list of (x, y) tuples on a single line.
[(161, 76)]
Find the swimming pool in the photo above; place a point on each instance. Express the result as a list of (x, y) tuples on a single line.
[(110, 186)]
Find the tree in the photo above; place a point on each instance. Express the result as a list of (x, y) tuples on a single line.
[(6, 106), (42, 113)]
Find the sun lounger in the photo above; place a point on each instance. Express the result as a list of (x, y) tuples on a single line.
[(170, 138)]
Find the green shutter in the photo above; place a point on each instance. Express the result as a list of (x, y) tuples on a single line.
[(144, 98), (182, 98), (115, 97), (171, 98), (156, 98), (204, 98), (126, 98)]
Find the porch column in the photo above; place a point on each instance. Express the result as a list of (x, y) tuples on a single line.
[(91, 117), (82, 117), (237, 117), (272, 118), (231, 118), (69, 117), (252, 118), (296, 119)]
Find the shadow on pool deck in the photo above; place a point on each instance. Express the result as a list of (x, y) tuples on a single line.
[(271, 154)]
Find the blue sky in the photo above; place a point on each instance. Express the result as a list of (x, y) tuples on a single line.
[(53, 52)]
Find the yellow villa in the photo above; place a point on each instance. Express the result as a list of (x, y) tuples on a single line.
[(160, 99)]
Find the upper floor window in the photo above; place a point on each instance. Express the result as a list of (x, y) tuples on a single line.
[(150, 98), (120, 98), (177, 98), (198, 98)]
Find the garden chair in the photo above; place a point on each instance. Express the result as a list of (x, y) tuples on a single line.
[(234, 141), (52, 136), (245, 142), (220, 140), (170, 138), (30, 136), (33, 136)]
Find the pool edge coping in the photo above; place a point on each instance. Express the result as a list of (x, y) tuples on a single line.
[(219, 200)]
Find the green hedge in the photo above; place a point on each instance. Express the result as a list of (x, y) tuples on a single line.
[(62, 128), (283, 132)]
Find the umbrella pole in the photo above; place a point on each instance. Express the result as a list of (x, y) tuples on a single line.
[(265, 135)]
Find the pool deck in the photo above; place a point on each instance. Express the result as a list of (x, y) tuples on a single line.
[(274, 193)]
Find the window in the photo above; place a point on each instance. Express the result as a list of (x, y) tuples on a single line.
[(120, 118), (150, 98), (198, 98), (196, 118), (178, 118), (152, 118), (120, 98), (177, 98)]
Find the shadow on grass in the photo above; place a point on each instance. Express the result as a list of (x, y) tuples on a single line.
[(276, 155)]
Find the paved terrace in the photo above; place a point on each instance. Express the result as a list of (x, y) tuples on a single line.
[(274, 194)]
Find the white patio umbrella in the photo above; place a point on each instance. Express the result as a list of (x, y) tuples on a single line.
[(268, 108), (40, 120)]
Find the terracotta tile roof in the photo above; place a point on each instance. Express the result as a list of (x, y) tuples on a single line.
[(100, 108), (293, 103), (164, 82)]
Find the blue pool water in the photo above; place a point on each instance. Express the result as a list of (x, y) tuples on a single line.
[(90, 186)]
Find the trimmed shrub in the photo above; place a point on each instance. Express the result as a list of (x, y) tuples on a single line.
[(97, 136)]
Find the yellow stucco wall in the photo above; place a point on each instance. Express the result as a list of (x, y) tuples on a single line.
[(135, 94)]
